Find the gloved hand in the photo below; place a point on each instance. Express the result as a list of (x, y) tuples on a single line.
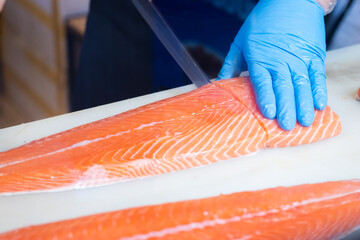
[(282, 44)]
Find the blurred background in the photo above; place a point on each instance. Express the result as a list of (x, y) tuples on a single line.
[(51, 57)]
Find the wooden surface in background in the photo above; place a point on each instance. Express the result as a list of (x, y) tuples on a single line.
[(9, 115)]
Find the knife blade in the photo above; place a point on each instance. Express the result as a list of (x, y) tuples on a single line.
[(168, 38)]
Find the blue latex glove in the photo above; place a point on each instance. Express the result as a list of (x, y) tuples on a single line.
[(282, 44)]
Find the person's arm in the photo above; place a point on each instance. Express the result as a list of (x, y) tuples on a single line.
[(2, 2), (327, 5), (282, 45)]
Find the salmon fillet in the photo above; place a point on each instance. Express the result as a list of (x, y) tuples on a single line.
[(213, 123), (326, 124), (312, 211)]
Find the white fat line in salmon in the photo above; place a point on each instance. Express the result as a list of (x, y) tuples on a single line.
[(219, 221), (234, 125), (81, 144), (87, 142), (321, 124), (327, 127), (195, 225), (246, 106)]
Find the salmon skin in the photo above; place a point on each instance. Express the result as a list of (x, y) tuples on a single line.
[(312, 211), (213, 123)]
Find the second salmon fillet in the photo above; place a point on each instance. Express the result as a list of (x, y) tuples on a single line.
[(325, 211), (210, 124)]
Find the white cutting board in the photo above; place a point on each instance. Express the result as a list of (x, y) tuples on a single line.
[(334, 159)]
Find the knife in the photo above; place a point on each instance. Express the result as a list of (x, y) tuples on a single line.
[(163, 31)]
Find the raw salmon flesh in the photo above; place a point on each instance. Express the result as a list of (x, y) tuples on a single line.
[(216, 122), (312, 211)]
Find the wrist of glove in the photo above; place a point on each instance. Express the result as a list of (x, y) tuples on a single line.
[(327, 5)]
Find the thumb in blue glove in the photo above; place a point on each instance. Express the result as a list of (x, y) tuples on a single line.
[(282, 45)]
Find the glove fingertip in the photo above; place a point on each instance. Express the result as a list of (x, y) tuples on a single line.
[(286, 122), (287, 125), (269, 111), (320, 102), (306, 119)]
